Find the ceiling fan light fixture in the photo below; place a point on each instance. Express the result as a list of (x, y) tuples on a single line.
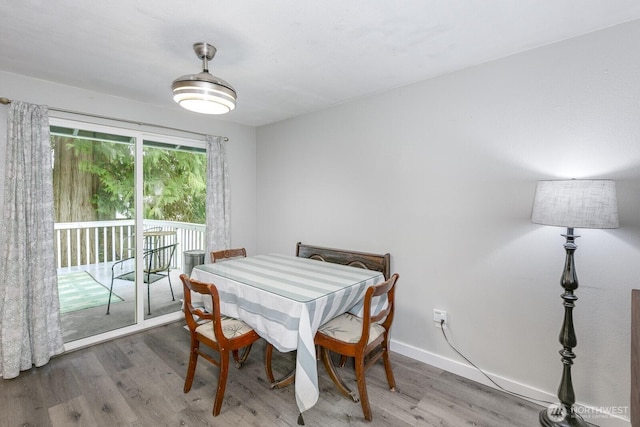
[(202, 92)]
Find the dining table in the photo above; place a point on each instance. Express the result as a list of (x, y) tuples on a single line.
[(285, 299)]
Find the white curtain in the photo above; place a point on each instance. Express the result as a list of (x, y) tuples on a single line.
[(30, 332), (217, 234)]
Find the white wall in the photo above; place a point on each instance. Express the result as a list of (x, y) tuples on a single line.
[(241, 148), (442, 173)]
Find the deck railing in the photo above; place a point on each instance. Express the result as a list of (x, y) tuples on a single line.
[(85, 243)]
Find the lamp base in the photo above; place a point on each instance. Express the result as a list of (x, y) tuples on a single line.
[(570, 420)]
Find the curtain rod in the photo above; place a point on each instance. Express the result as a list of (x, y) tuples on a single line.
[(7, 101)]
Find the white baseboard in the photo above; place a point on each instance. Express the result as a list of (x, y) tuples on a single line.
[(591, 414)]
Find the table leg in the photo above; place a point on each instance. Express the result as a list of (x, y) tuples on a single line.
[(281, 382), (333, 374)]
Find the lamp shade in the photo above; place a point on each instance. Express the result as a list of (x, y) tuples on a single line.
[(576, 203)]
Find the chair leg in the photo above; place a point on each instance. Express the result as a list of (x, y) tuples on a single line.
[(110, 292), (193, 361), (148, 298), (362, 388), (222, 382), (343, 361), (241, 359), (387, 367), (173, 298)]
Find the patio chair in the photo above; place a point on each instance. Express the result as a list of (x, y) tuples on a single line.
[(157, 265), (220, 333)]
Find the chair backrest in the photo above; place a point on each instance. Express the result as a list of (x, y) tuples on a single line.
[(217, 256), (369, 261), (387, 287), (159, 259), (194, 314)]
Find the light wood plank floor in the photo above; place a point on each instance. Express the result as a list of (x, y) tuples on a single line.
[(137, 381)]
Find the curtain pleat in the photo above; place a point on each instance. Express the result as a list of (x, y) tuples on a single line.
[(217, 227), (30, 331)]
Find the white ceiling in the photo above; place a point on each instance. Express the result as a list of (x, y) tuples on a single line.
[(284, 57)]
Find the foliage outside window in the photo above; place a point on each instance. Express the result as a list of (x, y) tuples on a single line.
[(102, 172)]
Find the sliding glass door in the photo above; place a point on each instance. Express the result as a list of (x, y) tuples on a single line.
[(94, 209), (127, 207), (174, 217)]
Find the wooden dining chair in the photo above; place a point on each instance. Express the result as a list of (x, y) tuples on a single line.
[(217, 256), (220, 333), (360, 338)]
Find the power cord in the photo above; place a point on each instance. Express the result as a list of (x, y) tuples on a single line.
[(513, 393), (485, 374)]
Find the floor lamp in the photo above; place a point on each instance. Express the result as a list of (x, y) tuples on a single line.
[(571, 204)]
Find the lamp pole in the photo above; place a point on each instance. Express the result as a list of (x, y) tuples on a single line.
[(565, 415)]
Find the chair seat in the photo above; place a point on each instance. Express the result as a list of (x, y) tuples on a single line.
[(348, 328), (231, 328)]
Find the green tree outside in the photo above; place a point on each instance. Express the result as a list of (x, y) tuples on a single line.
[(174, 180)]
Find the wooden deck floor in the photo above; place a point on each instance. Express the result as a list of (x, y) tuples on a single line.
[(137, 380)]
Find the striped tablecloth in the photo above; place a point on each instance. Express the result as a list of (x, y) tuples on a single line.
[(285, 299)]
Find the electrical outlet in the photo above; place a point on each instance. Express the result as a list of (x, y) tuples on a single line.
[(439, 316)]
